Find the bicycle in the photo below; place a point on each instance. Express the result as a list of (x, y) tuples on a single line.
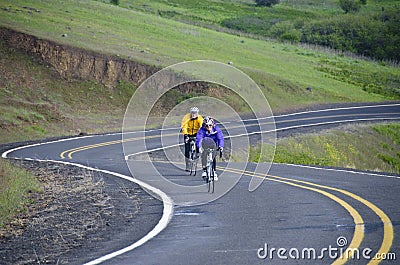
[(210, 170), (193, 156), (210, 148)]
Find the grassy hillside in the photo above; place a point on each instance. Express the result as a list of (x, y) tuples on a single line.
[(36, 102), (362, 147), (372, 31), (285, 71), (41, 103)]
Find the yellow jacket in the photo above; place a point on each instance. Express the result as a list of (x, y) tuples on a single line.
[(189, 126)]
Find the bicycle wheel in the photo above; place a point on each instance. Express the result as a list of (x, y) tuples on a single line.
[(193, 163), (210, 179), (192, 157), (191, 166)]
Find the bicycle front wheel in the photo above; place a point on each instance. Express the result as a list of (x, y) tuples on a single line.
[(210, 180)]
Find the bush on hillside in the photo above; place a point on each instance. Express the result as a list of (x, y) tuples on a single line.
[(349, 6), (285, 31), (267, 2), (249, 24), (376, 37), (115, 2)]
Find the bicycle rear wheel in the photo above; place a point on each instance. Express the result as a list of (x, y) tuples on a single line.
[(195, 166), (193, 163)]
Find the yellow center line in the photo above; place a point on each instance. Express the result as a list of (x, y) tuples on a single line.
[(388, 232), (70, 152), (387, 224), (86, 147), (388, 228), (358, 221), (62, 155)]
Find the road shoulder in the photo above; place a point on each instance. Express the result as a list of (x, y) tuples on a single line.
[(79, 216)]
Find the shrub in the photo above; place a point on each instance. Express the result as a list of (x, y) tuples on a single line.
[(375, 37), (267, 2), (349, 6), (249, 24), (285, 31), (115, 2)]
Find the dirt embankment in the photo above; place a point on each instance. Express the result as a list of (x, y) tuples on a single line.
[(72, 62), (75, 63)]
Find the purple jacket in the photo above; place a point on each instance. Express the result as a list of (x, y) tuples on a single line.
[(216, 135)]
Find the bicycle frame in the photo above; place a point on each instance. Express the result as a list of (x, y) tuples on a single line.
[(210, 170), (193, 157)]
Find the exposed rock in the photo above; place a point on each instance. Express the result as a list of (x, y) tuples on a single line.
[(78, 63)]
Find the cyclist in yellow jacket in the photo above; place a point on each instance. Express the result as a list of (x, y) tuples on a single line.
[(191, 123)]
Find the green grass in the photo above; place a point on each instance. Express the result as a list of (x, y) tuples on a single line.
[(371, 147), (371, 31), (15, 185), (214, 12), (35, 102), (116, 30), (245, 16)]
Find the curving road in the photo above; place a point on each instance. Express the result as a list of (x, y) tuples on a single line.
[(300, 214)]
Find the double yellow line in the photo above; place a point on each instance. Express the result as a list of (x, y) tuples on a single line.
[(321, 189), (358, 236), (70, 152)]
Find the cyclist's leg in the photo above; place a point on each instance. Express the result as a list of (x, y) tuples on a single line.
[(204, 159), (187, 149), (215, 168), (215, 164), (204, 163), (193, 138)]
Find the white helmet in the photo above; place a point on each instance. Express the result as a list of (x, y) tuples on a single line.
[(194, 110), (208, 121)]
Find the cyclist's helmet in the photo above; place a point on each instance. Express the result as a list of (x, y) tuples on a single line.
[(209, 121), (194, 110)]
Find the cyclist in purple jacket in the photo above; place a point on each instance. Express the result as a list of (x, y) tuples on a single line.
[(211, 130)]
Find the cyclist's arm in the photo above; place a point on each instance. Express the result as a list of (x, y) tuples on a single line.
[(184, 124), (200, 121), (220, 137)]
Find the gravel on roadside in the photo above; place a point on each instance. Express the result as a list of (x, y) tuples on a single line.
[(80, 215)]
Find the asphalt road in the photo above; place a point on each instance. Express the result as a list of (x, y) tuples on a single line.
[(298, 215)]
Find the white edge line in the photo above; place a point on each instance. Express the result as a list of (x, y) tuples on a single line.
[(342, 170), (293, 127), (311, 125), (161, 225), (343, 108), (172, 128), (4, 155), (167, 201)]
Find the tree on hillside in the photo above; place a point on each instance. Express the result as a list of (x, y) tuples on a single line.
[(350, 6), (267, 2)]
